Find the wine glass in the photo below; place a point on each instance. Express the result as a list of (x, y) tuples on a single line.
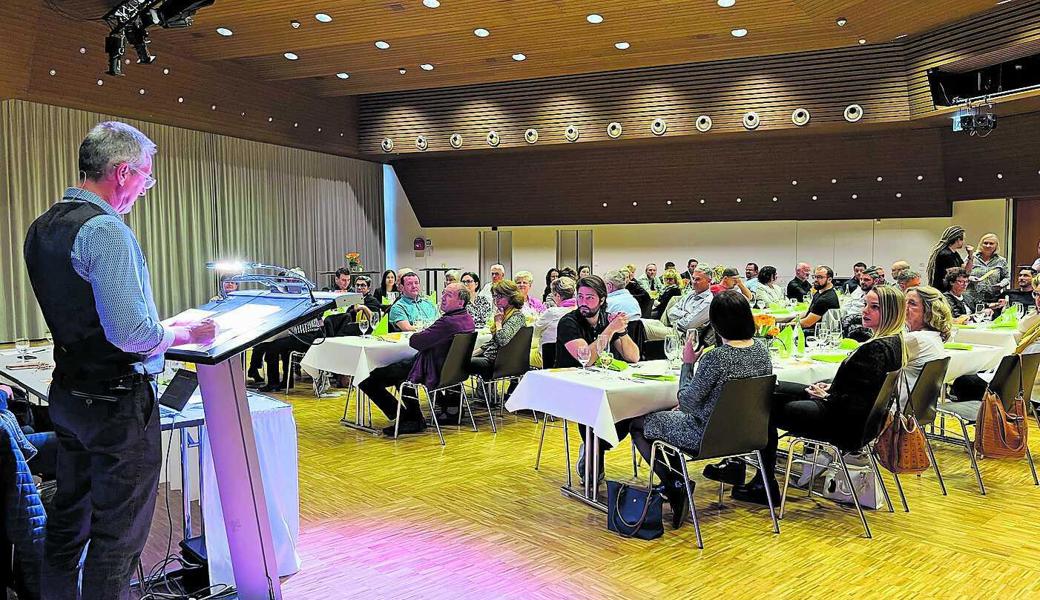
[(605, 355), (22, 346), (692, 338), (980, 311), (1020, 309), (672, 349), (584, 354), (363, 326)]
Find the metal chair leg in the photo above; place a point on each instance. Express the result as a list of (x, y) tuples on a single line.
[(567, 449), (769, 494), (397, 419), (812, 474), (487, 402), (433, 415), (881, 482), (541, 441), (848, 478), (687, 485), (465, 401), (787, 474), (971, 454), (635, 462), (931, 455), (1032, 468)]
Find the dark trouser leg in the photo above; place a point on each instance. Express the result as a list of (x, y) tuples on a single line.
[(117, 447), (45, 462), (256, 357), (278, 351), (969, 387), (794, 411), (622, 429), (391, 376)]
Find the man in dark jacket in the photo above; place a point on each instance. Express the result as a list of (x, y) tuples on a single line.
[(432, 344)]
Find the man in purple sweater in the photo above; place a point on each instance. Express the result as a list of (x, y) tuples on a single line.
[(433, 344)]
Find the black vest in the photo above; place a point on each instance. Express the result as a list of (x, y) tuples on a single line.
[(83, 357)]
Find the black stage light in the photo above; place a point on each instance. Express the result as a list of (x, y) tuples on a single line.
[(175, 14), (138, 38), (115, 47)]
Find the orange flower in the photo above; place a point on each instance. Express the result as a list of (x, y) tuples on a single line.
[(773, 331), (764, 321)]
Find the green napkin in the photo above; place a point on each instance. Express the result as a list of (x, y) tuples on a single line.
[(1004, 326), (785, 341), (617, 365), (957, 346), (831, 358), (777, 306), (383, 326), (801, 307), (656, 377), (848, 344), (757, 311)]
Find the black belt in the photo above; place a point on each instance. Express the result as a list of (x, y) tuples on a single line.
[(118, 385)]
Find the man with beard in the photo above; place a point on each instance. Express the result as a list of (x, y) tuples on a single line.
[(823, 300), (852, 284), (869, 278), (799, 286), (1024, 294), (591, 326), (751, 276)]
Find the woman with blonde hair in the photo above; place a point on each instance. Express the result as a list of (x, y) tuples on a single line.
[(990, 273), (836, 412), (671, 281), (524, 280), (944, 256), (508, 301), (929, 324)]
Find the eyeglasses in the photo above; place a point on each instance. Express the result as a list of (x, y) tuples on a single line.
[(468, 281), (149, 181)]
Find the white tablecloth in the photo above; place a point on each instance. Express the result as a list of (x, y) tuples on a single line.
[(354, 356), (1002, 337), (962, 362), (596, 398), (804, 370)]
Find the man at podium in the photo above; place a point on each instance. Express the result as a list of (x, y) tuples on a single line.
[(91, 281)]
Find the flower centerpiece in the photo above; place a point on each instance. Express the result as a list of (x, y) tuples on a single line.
[(765, 326), (354, 262)]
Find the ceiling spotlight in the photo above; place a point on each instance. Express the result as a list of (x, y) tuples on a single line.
[(702, 200), (481, 32), (900, 36), (343, 75), (323, 18), (842, 21), (426, 67), (224, 31), (739, 32), (294, 24), (862, 41), (726, 3), (519, 57), (431, 3), (402, 70), (622, 45), (382, 45), (594, 19), (291, 56), (669, 203)]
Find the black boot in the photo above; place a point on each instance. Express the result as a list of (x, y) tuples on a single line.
[(675, 494), (730, 470), (755, 491)]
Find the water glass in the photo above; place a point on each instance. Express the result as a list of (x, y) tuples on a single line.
[(22, 346), (980, 311), (605, 355), (363, 326), (584, 354), (672, 349)]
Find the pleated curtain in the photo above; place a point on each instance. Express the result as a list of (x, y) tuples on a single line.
[(217, 197)]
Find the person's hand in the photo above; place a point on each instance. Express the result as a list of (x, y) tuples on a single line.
[(690, 354), (970, 249), (202, 332), (818, 390), (366, 310), (961, 320), (617, 322)]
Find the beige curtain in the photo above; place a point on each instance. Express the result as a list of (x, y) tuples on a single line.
[(217, 197)]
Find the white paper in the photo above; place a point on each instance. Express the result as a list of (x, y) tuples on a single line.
[(230, 325)]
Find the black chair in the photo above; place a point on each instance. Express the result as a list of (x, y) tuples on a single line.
[(921, 404), (512, 361), (738, 426), (637, 332), (453, 374), (871, 429), (1007, 382), (549, 355)]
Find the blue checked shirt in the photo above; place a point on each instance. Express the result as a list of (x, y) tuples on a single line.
[(106, 255)]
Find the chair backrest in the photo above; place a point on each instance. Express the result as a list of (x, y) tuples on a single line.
[(549, 355), (1030, 364), (514, 359), (664, 315), (637, 332), (454, 370), (1007, 379), (925, 394), (876, 417), (740, 421)]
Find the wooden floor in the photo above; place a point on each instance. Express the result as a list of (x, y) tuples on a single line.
[(410, 519)]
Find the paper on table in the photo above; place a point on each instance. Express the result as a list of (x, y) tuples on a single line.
[(229, 324)]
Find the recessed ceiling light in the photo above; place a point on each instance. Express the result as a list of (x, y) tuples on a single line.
[(842, 21), (702, 200), (166, 71), (834, 181), (431, 3), (775, 199), (519, 57), (290, 55), (270, 119), (82, 50), (323, 18), (294, 24), (101, 82), (481, 32), (402, 70), (726, 3), (53, 72), (1000, 175), (382, 45), (343, 75), (213, 107), (669, 203), (739, 200), (899, 194), (862, 41), (739, 32), (604, 205), (900, 36), (854, 196), (141, 91), (622, 45), (794, 182), (920, 177), (960, 179), (594, 18), (426, 67), (880, 178), (180, 100), (224, 31), (815, 197)]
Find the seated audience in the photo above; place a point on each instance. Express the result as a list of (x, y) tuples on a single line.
[(432, 344), (498, 273), (898, 267), (584, 271), (277, 351), (738, 356), (545, 325), (867, 280), (945, 257), (532, 305), (591, 325), (799, 286), (691, 266), (751, 276), (836, 412), (853, 282), (669, 289), (342, 280), (343, 321), (669, 265), (989, 275), (620, 299), (956, 283), (929, 324), (768, 290), (649, 280), (908, 278), (824, 299), (509, 319), (41, 453), (452, 276), (411, 307), (731, 280), (387, 288), (691, 311), (1024, 294), (569, 272), (641, 295), (479, 306), (550, 276)]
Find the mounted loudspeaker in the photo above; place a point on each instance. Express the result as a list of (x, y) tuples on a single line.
[(421, 143), (571, 134), (614, 130), (387, 145), (658, 126), (493, 139), (800, 117), (703, 124), (531, 135), (751, 120), (853, 113), (455, 140)]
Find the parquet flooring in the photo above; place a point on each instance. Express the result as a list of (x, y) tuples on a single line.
[(410, 519)]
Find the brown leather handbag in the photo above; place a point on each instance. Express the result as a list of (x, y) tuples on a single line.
[(901, 447), (1000, 433)]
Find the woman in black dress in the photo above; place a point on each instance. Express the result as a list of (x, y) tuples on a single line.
[(944, 256)]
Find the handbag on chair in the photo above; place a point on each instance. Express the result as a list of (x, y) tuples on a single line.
[(1000, 433), (901, 447), (633, 511)]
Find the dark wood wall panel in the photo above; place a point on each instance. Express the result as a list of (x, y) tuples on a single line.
[(1012, 151), (824, 82), (569, 184)]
